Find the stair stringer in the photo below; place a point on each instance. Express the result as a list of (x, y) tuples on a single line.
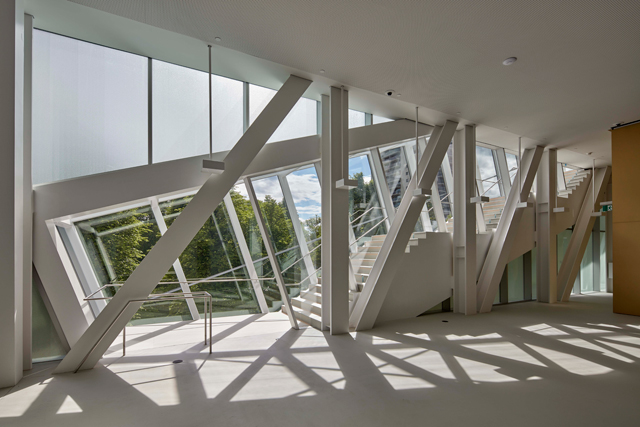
[(573, 203), (425, 276)]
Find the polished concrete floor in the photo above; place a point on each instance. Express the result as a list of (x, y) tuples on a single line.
[(525, 364)]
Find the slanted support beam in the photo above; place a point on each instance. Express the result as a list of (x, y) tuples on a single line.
[(384, 269), (464, 231), (504, 236), (102, 332), (581, 232), (547, 260)]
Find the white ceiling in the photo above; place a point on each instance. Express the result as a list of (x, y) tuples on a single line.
[(577, 72)]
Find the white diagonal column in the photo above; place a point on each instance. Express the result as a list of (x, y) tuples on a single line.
[(97, 338), (581, 232), (464, 231), (505, 234), (546, 261), (384, 268), (325, 201)]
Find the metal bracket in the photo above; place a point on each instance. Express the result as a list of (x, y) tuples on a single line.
[(421, 192), (479, 199), (346, 184), (212, 166)]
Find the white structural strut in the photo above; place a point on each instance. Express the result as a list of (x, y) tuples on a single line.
[(177, 266), (102, 332), (246, 254), (506, 233), (581, 232), (337, 269), (464, 231), (546, 261), (273, 259), (325, 198), (384, 269)]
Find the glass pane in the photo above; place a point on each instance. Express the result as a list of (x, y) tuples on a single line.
[(488, 173), (586, 268), (180, 112), (46, 344), (378, 119), (276, 216), (213, 261), (516, 279), (563, 243), (603, 254), (534, 274), (301, 121), (306, 192), (356, 119), (89, 108), (365, 211), (512, 164), (256, 246), (116, 244)]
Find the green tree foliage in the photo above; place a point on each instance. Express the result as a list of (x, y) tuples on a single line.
[(361, 199)]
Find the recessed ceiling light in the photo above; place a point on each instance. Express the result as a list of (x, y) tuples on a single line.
[(509, 61), (218, 39), (321, 71), (399, 95)]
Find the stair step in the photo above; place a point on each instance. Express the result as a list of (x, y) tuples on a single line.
[(312, 296), (379, 237), (310, 319), (307, 306)]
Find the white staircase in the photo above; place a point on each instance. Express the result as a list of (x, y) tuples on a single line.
[(573, 178), (307, 307)]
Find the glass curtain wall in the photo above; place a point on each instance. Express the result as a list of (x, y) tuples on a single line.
[(180, 112), (46, 343), (280, 227), (512, 164), (356, 119), (212, 262), (488, 172), (89, 109), (365, 210)]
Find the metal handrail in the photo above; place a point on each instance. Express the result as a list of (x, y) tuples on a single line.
[(365, 212), (370, 230), (301, 258), (158, 297)]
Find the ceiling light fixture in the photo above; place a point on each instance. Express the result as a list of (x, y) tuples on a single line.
[(321, 71), (509, 61), (218, 39)]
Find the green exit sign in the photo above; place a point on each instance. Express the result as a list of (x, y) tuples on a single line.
[(607, 208)]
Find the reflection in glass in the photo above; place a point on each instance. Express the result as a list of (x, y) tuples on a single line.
[(116, 244), (515, 273), (377, 119)]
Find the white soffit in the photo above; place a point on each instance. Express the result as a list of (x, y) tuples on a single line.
[(575, 76)]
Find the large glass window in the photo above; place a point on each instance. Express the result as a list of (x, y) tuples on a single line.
[(356, 119), (512, 164), (89, 109), (212, 262), (116, 244), (586, 268), (488, 172), (365, 210), (46, 344), (276, 217), (377, 119), (301, 121), (515, 273), (180, 112)]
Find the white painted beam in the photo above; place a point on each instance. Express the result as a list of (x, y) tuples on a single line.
[(94, 342), (581, 231), (546, 261), (325, 199), (506, 233), (464, 231)]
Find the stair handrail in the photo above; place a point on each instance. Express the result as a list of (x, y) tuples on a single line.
[(366, 212), (369, 231), (301, 258)]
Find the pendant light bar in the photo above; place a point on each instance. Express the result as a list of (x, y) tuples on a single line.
[(345, 183), (209, 165)]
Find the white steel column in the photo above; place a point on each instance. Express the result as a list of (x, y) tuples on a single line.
[(503, 170), (387, 263), (246, 253), (177, 266), (506, 233), (325, 201), (103, 331), (338, 232), (464, 232), (271, 252), (11, 190), (570, 267), (546, 261), (27, 194), (297, 228)]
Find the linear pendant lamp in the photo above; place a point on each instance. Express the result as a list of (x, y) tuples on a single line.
[(209, 165)]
